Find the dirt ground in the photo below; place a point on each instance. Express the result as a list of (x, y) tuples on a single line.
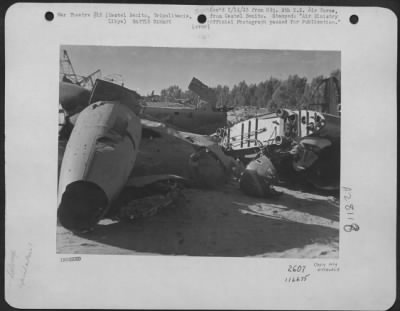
[(298, 224), (221, 223)]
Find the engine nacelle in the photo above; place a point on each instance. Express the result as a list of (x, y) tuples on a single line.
[(98, 159)]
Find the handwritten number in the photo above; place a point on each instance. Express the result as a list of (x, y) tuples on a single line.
[(296, 268)]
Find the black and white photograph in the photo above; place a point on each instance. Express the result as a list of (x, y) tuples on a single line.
[(199, 152)]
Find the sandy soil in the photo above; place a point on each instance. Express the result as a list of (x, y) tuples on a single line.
[(221, 223)]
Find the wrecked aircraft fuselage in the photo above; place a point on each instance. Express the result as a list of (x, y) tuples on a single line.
[(103, 147), (98, 159), (303, 141)]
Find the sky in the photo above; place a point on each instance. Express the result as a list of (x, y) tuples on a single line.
[(145, 69)]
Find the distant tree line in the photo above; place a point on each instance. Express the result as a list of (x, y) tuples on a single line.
[(294, 92)]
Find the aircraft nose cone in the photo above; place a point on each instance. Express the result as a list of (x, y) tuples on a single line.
[(82, 205)]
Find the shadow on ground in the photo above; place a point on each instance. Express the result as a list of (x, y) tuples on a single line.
[(226, 223)]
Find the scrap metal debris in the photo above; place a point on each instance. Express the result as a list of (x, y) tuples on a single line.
[(259, 177), (149, 199), (303, 141)]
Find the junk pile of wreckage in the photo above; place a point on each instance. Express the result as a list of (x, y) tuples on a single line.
[(124, 159)]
